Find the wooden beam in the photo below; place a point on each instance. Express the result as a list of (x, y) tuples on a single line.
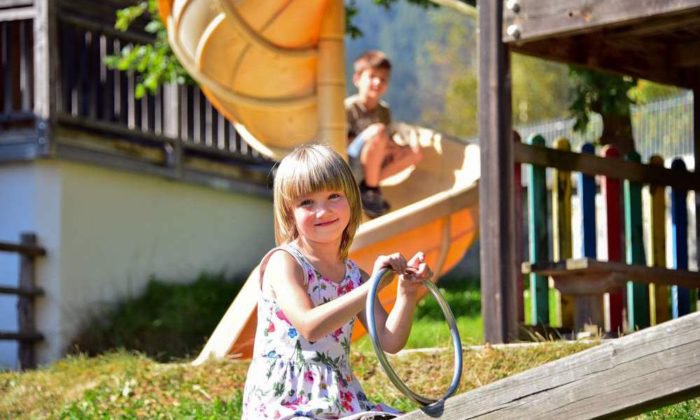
[(594, 165), (497, 221), (4, 290), (619, 378), (537, 19), (646, 59), (609, 274), (20, 13), (30, 250), (686, 54)]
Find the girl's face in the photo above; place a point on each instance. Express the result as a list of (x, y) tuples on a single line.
[(322, 216)]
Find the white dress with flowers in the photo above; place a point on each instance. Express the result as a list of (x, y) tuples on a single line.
[(292, 377)]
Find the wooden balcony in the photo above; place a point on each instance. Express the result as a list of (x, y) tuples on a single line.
[(59, 100)]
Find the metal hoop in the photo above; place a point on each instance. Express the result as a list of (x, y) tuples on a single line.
[(456, 341)]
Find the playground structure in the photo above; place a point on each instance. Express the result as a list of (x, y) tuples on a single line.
[(653, 295), (283, 85), (647, 40), (317, 56)]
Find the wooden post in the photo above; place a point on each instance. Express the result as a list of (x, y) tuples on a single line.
[(637, 293), (497, 221), (589, 308), (611, 192), (538, 236), (519, 233), (25, 305), (562, 243), (658, 293), (679, 223), (45, 71), (696, 168)]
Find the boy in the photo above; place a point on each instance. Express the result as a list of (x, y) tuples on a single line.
[(372, 153)]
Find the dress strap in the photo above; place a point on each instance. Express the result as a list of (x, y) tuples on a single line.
[(289, 249)]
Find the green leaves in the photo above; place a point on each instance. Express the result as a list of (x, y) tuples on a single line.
[(154, 64), (595, 91)]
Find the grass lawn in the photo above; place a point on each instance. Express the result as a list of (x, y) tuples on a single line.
[(132, 384)]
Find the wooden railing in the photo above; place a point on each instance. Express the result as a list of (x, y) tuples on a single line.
[(27, 335), (94, 114), (625, 274)]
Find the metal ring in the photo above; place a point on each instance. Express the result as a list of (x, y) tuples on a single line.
[(456, 341)]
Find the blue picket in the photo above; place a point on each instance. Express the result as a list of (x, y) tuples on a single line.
[(680, 296), (588, 191)]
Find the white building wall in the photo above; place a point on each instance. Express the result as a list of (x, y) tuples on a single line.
[(106, 232)]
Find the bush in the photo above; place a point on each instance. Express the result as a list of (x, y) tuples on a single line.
[(169, 321)]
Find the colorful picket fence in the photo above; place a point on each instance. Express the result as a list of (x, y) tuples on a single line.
[(636, 305)]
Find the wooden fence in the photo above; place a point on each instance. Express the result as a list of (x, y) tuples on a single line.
[(27, 291), (640, 292)]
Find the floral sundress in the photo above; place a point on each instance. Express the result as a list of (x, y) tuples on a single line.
[(292, 377)]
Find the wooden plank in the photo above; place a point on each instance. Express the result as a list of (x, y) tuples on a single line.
[(15, 3), (496, 224), (660, 309), (537, 19), (538, 237), (681, 296), (611, 192), (589, 308), (637, 294), (17, 336), (31, 250), (594, 165), (612, 272), (25, 304), (617, 379), (20, 13), (562, 239), (4, 290)]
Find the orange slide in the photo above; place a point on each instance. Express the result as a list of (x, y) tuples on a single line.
[(276, 68)]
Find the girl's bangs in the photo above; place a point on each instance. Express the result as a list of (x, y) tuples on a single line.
[(312, 178)]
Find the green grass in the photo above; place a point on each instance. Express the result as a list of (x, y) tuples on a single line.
[(130, 384), (167, 322)]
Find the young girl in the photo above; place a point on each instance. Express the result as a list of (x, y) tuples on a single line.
[(311, 294)]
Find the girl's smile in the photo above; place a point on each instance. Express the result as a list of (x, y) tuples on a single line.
[(322, 216)]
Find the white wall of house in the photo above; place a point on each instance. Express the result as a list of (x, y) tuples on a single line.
[(106, 232)]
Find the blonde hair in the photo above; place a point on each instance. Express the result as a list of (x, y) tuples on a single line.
[(308, 169)]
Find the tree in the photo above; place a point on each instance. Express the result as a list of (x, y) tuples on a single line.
[(607, 95)]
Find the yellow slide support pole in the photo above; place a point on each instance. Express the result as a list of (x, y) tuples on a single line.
[(332, 128)]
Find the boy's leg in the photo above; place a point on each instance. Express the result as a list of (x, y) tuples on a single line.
[(374, 152), (368, 151), (399, 158)]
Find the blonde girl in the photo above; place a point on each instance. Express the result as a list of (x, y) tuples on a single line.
[(311, 294)]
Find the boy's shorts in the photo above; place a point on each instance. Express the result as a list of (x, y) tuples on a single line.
[(354, 152)]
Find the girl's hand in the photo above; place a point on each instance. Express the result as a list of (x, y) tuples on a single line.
[(416, 271), (395, 261)]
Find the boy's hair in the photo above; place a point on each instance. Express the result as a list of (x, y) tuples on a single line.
[(372, 59), (311, 168)]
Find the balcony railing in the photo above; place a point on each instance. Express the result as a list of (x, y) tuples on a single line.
[(96, 116)]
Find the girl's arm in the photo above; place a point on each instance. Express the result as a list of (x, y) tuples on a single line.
[(286, 279), (393, 329)]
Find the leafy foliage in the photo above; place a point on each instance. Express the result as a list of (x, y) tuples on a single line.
[(154, 64), (595, 91)]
